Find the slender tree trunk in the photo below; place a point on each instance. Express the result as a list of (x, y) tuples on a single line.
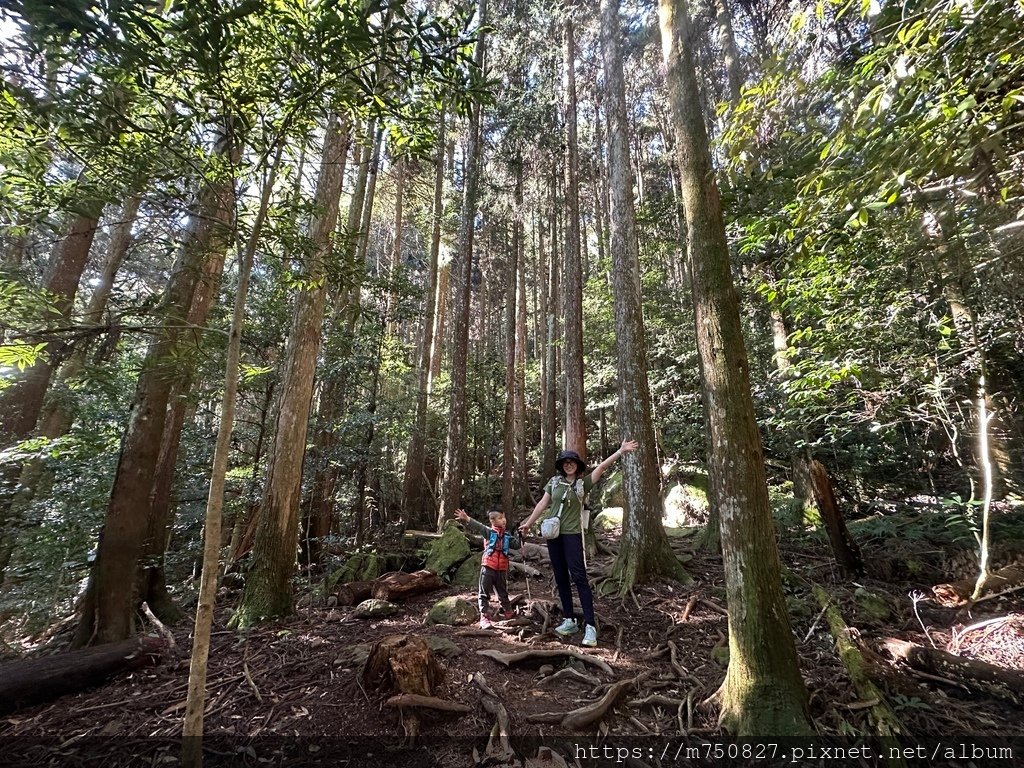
[(455, 449), (733, 71), (572, 292), (192, 730), (106, 609), (268, 586), (57, 414), (508, 464), (22, 401), (522, 489), (396, 254), (152, 585), (415, 493), (762, 693), (644, 551)]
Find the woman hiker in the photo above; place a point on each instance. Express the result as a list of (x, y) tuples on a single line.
[(563, 498)]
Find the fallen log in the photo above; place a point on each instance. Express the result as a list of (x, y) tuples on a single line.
[(398, 585), (1001, 582), (523, 657), (857, 667), (354, 592), (1001, 682), (33, 681)]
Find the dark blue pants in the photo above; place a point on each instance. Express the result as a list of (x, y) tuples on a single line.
[(567, 562)]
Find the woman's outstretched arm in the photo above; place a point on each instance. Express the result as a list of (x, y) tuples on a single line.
[(628, 446)]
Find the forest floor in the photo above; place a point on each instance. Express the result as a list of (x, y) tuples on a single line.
[(290, 692)]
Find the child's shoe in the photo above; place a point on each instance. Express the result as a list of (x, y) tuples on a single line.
[(485, 621), (567, 627), (509, 615)]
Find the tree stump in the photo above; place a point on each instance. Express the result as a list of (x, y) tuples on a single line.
[(846, 551), (406, 665)]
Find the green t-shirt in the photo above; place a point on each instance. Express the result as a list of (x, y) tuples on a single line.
[(564, 495)]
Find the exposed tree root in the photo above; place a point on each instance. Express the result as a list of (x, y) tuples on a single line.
[(569, 674), (540, 655), (403, 700), (579, 719), (1001, 682)]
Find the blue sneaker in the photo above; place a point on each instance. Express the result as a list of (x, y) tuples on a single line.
[(567, 627)]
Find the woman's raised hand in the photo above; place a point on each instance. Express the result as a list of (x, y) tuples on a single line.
[(629, 446)]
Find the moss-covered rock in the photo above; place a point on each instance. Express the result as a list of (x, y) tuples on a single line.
[(468, 574), (363, 566), (442, 646), (686, 502), (375, 609), (448, 552), (452, 611), (609, 519)]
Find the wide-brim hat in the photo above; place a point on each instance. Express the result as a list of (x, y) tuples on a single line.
[(581, 465)]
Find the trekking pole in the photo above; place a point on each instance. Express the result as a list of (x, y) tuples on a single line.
[(526, 574)]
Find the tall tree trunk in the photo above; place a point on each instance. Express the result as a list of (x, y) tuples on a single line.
[(268, 586), (549, 449), (22, 401), (730, 54), (396, 253), (152, 584), (107, 607), (415, 490), (192, 730), (455, 448), (572, 291), (508, 464), (522, 488), (644, 551), (56, 416), (762, 693)]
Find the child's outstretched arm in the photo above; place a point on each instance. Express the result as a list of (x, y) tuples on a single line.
[(474, 525)]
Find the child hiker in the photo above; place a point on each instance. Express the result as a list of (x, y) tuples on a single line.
[(494, 564)]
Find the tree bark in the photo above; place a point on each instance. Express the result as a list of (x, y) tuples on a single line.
[(644, 551), (22, 401), (192, 729), (763, 692), (268, 587), (416, 497), (33, 681), (106, 609), (508, 464), (572, 290), (455, 453)]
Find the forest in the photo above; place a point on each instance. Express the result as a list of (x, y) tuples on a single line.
[(287, 285)]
